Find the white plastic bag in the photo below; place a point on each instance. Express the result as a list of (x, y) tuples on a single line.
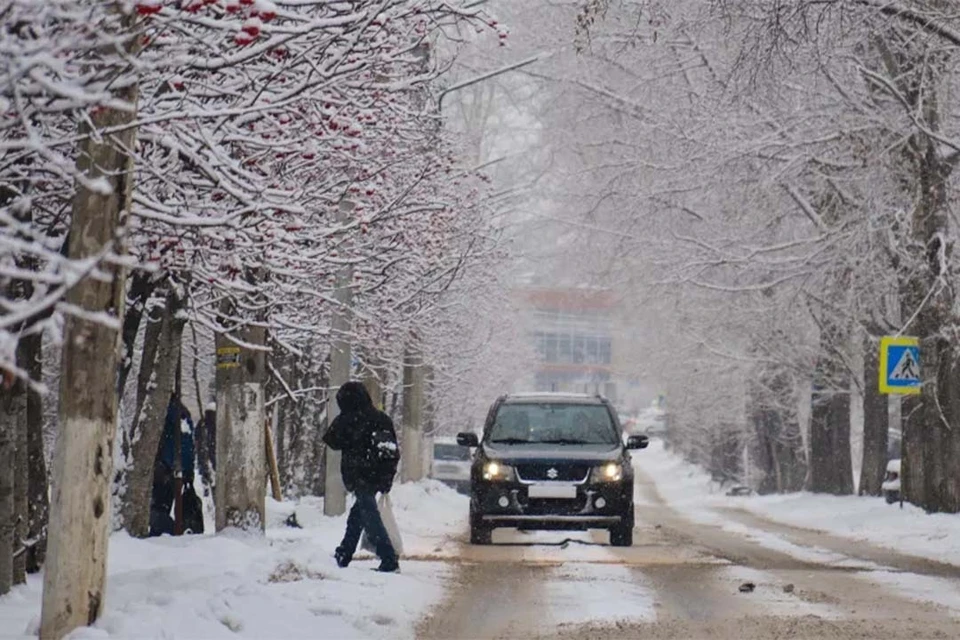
[(385, 508)]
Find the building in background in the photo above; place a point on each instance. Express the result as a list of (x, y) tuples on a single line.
[(573, 334)]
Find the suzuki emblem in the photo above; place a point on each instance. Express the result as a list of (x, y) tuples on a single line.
[(552, 474)]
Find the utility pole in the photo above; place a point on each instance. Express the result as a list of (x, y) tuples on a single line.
[(241, 449), (334, 493), (411, 460)]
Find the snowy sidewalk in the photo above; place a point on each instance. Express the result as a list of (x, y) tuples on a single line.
[(689, 490), (284, 586)]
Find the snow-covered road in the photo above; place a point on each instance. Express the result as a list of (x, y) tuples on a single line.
[(872, 571), (682, 579)]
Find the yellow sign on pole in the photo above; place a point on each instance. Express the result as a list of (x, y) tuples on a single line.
[(228, 357), (900, 365)]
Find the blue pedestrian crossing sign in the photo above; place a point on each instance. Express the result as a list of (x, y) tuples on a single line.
[(899, 365)]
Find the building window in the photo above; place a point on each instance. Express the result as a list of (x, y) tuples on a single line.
[(592, 348), (550, 348), (605, 351)]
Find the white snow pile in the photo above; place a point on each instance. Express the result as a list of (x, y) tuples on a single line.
[(910, 530), (286, 585), (684, 486), (690, 490)]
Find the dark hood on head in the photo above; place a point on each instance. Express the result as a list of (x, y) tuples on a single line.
[(353, 397)]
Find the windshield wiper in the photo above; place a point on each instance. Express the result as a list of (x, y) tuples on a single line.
[(565, 441), (509, 441)]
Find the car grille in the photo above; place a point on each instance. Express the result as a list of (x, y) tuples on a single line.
[(545, 507), (553, 472)]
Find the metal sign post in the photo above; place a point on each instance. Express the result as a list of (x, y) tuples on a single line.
[(900, 374)]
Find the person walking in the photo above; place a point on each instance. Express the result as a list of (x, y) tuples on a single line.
[(178, 423), (368, 442)]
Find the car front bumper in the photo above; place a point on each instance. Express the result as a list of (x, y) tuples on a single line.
[(508, 504)]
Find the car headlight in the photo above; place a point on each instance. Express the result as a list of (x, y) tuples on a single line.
[(610, 472), (497, 471)]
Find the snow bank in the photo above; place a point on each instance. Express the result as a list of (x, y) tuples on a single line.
[(687, 488), (285, 585), (908, 530), (690, 490)]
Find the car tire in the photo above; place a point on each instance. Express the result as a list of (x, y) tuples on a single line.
[(891, 496), (480, 533), (622, 534)]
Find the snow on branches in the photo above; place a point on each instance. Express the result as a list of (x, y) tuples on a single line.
[(277, 142)]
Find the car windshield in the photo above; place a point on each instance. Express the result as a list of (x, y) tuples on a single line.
[(560, 423), (450, 452)]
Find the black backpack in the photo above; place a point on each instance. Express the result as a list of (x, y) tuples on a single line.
[(385, 457)]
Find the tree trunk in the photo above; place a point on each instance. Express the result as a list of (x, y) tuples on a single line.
[(156, 379), (876, 424), (761, 452), (205, 441), (75, 573), (777, 448), (931, 476), (941, 490), (318, 454), (411, 462), (37, 482), (334, 493), (790, 454), (20, 482), (241, 450), (911, 465), (142, 286), (9, 417), (831, 469), (830, 462)]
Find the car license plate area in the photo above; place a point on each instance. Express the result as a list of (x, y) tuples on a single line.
[(561, 491)]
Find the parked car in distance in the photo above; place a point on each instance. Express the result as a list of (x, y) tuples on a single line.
[(891, 482), (451, 463), (552, 461)]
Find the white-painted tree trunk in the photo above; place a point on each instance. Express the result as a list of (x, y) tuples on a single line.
[(241, 445), (411, 454), (75, 578), (334, 493), (75, 575), (241, 458)]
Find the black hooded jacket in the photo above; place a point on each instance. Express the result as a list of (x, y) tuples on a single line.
[(367, 439)]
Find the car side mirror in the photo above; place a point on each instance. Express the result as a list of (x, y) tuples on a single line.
[(637, 442), (468, 439)]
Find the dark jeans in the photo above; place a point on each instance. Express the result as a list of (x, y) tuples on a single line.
[(365, 516)]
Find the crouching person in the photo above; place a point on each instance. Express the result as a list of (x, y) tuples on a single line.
[(370, 457)]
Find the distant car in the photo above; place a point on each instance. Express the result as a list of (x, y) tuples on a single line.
[(451, 464), (552, 461), (891, 482)]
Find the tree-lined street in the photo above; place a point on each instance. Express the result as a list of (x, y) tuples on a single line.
[(726, 225)]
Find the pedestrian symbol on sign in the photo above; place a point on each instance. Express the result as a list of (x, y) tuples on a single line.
[(907, 368), (899, 365)]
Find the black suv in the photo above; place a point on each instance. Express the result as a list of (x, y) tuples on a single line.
[(552, 461)]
